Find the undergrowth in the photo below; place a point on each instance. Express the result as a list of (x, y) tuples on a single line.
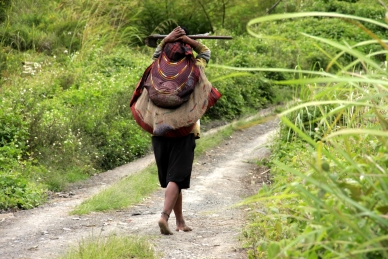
[(112, 246), (329, 165), (68, 70)]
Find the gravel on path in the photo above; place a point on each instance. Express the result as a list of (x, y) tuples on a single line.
[(221, 178)]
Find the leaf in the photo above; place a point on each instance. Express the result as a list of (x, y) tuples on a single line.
[(355, 192), (383, 209), (263, 246), (312, 255), (325, 166), (273, 250), (383, 122), (278, 227), (361, 223), (321, 193)]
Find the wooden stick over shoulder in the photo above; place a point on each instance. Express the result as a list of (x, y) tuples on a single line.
[(151, 41)]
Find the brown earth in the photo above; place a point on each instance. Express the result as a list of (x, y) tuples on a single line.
[(222, 177)]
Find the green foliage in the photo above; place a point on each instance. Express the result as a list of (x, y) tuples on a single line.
[(294, 49), (242, 93), (367, 9), (312, 121), (13, 127), (33, 25), (18, 193), (209, 16), (330, 206), (14, 136), (71, 124), (111, 246), (329, 193), (4, 5), (134, 188), (123, 194), (68, 74)]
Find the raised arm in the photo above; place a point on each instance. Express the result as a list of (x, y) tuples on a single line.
[(178, 34), (203, 52), (175, 35)]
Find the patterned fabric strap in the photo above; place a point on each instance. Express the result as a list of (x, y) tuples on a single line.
[(179, 121), (174, 122), (171, 81)]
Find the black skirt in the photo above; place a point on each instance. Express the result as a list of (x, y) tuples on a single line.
[(174, 158)]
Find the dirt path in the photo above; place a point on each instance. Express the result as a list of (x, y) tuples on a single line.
[(221, 178)]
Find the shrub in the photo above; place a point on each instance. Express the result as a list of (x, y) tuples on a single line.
[(19, 193), (328, 198), (13, 135), (4, 5)]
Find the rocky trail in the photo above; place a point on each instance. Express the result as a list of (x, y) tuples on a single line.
[(221, 178)]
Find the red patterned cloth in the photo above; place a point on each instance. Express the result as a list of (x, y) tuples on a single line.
[(175, 120), (175, 51), (173, 76)]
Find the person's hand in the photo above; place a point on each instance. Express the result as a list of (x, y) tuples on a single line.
[(190, 41), (184, 39), (175, 35)]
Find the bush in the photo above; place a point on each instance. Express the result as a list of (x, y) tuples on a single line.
[(328, 198), (16, 192), (14, 135), (241, 94), (4, 5), (71, 116)]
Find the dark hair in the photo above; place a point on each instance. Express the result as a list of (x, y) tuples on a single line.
[(186, 30)]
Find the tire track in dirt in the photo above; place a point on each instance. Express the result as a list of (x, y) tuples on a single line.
[(219, 181)]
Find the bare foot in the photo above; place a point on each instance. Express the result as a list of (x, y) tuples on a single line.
[(164, 229), (181, 226)]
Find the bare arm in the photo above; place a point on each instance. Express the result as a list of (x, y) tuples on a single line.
[(190, 41), (175, 35), (178, 34)]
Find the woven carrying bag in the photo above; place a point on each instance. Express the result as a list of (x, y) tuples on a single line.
[(170, 83)]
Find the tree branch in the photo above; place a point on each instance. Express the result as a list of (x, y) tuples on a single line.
[(273, 7), (207, 15)]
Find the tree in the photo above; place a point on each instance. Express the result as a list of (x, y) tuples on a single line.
[(206, 14)]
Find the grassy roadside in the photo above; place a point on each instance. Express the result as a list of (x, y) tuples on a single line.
[(128, 192), (329, 193), (112, 247), (122, 194)]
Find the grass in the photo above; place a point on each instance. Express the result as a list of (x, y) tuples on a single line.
[(111, 247), (329, 163), (130, 191), (208, 141), (136, 187), (255, 121), (122, 194), (67, 73)]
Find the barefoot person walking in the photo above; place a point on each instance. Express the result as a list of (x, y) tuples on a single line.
[(168, 102)]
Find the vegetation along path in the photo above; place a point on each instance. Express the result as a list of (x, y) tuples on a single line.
[(221, 178)]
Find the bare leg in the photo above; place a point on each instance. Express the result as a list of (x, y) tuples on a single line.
[(180, 222), (170, 198)]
